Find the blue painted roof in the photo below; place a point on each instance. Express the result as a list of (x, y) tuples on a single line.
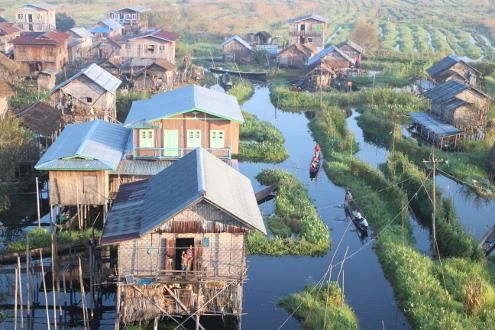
[(238, 39), (100, 29), (98, 75), (182, 100), (445, 92), (442, 65), (199, 176), (330, 49), (94, 145), (110, 23)]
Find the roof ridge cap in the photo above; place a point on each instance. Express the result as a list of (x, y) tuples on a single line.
[(201, 171)]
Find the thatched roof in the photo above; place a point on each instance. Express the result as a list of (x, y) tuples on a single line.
[(41, 118)]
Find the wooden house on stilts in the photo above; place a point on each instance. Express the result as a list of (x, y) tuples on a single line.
[(182, 238)]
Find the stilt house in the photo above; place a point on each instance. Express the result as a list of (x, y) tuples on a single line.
[(296, 55), (155, 44), (107, 28), (156, 75), (453, 68), (172, 124), (333, 57), (236, 49), (134, 19), (89, 94), (8, 32), (308, 29), (353, 50), (182, 240), (80, 44), (37, 17)]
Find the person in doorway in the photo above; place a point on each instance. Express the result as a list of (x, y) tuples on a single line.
[(189, 256), (183, 261), (348, 197)]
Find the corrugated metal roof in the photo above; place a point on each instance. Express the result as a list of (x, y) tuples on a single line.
[(53, 37), (239, 40), (98, 75), (306, 17), (155, 33), (137, 9), (113, 25), (197, 176), (325, 52), (442, 65), (81, 32), (445, 92), (95, 145), (433, 124), (355, 46), (454, 104), (182, 100), (217, 88), (140, 167), (39, 5)]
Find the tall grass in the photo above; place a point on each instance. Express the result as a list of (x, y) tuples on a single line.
[(323, 308), (242, 90)]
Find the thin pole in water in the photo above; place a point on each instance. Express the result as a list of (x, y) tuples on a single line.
[(38, 202), (15, 299), (19, 273), (28, 274), (44, 290)]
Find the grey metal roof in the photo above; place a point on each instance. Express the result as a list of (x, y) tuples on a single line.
[(306, 17), (454, 104), (198, 176), (140, 167), (445, 92), (182, 100), (433, 124), (442, 65), (96, 145), (97, 74), (81, 32), (43, 6), (137, 9), (239, 40), (111, 24), (327, 51), (217, 88)]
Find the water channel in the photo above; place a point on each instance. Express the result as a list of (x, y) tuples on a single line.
[(271, 278)]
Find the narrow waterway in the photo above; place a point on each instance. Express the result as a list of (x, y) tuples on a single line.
[(271, 278)]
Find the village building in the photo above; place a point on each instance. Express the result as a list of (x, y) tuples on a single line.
[(333, 57), (453, 68), (107, 28), (352, 50), (89, 94), (111, 65), (182, 240), (155, 44), (44, 121), (6, 92), (80, 160), (36, 17), (134, 19), (42, 50), (156, 75), (308, 29), (236, 49), (457, 111), (296, 55), (172, 124), (106, 49), (258, 38), (80, 44), (8, 32), (47, 79)]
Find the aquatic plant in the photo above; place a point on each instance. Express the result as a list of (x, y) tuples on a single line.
[(242, 89)]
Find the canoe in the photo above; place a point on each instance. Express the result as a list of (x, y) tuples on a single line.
[(488, 241), (243, 74), (314, 165), (351, 207)]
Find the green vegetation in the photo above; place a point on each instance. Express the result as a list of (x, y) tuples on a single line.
[(242, 90), (124, 102), (26, 96), (296, 227), (260, 141), (456, 293), (321, 308), (40, 238)]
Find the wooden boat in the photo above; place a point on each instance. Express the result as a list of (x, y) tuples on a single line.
[(242, 74), (314, 166), (350, 208), (488, 241)]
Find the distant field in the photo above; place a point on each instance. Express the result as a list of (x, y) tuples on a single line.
[(466, 28)]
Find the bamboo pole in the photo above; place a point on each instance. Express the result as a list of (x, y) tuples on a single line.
[(15, 299), (28, 274), (44, 290), (38, 202), (83, 295), (52, 236), (19, 275)]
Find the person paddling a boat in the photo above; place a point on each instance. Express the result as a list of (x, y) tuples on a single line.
[(362, 220)]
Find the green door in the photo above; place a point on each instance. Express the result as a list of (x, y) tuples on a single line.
[(171, 143), (217, 139), (146, 138), (193, 138)]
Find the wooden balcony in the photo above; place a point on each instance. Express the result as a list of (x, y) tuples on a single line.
[(176, 153)]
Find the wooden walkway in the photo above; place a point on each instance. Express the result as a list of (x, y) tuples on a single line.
[(266, 194)]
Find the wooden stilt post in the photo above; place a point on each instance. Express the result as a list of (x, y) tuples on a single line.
[(38, 202), (53, 230), (28, 275), (15, 298), (19, 275), (44, 290), (83, 295)]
